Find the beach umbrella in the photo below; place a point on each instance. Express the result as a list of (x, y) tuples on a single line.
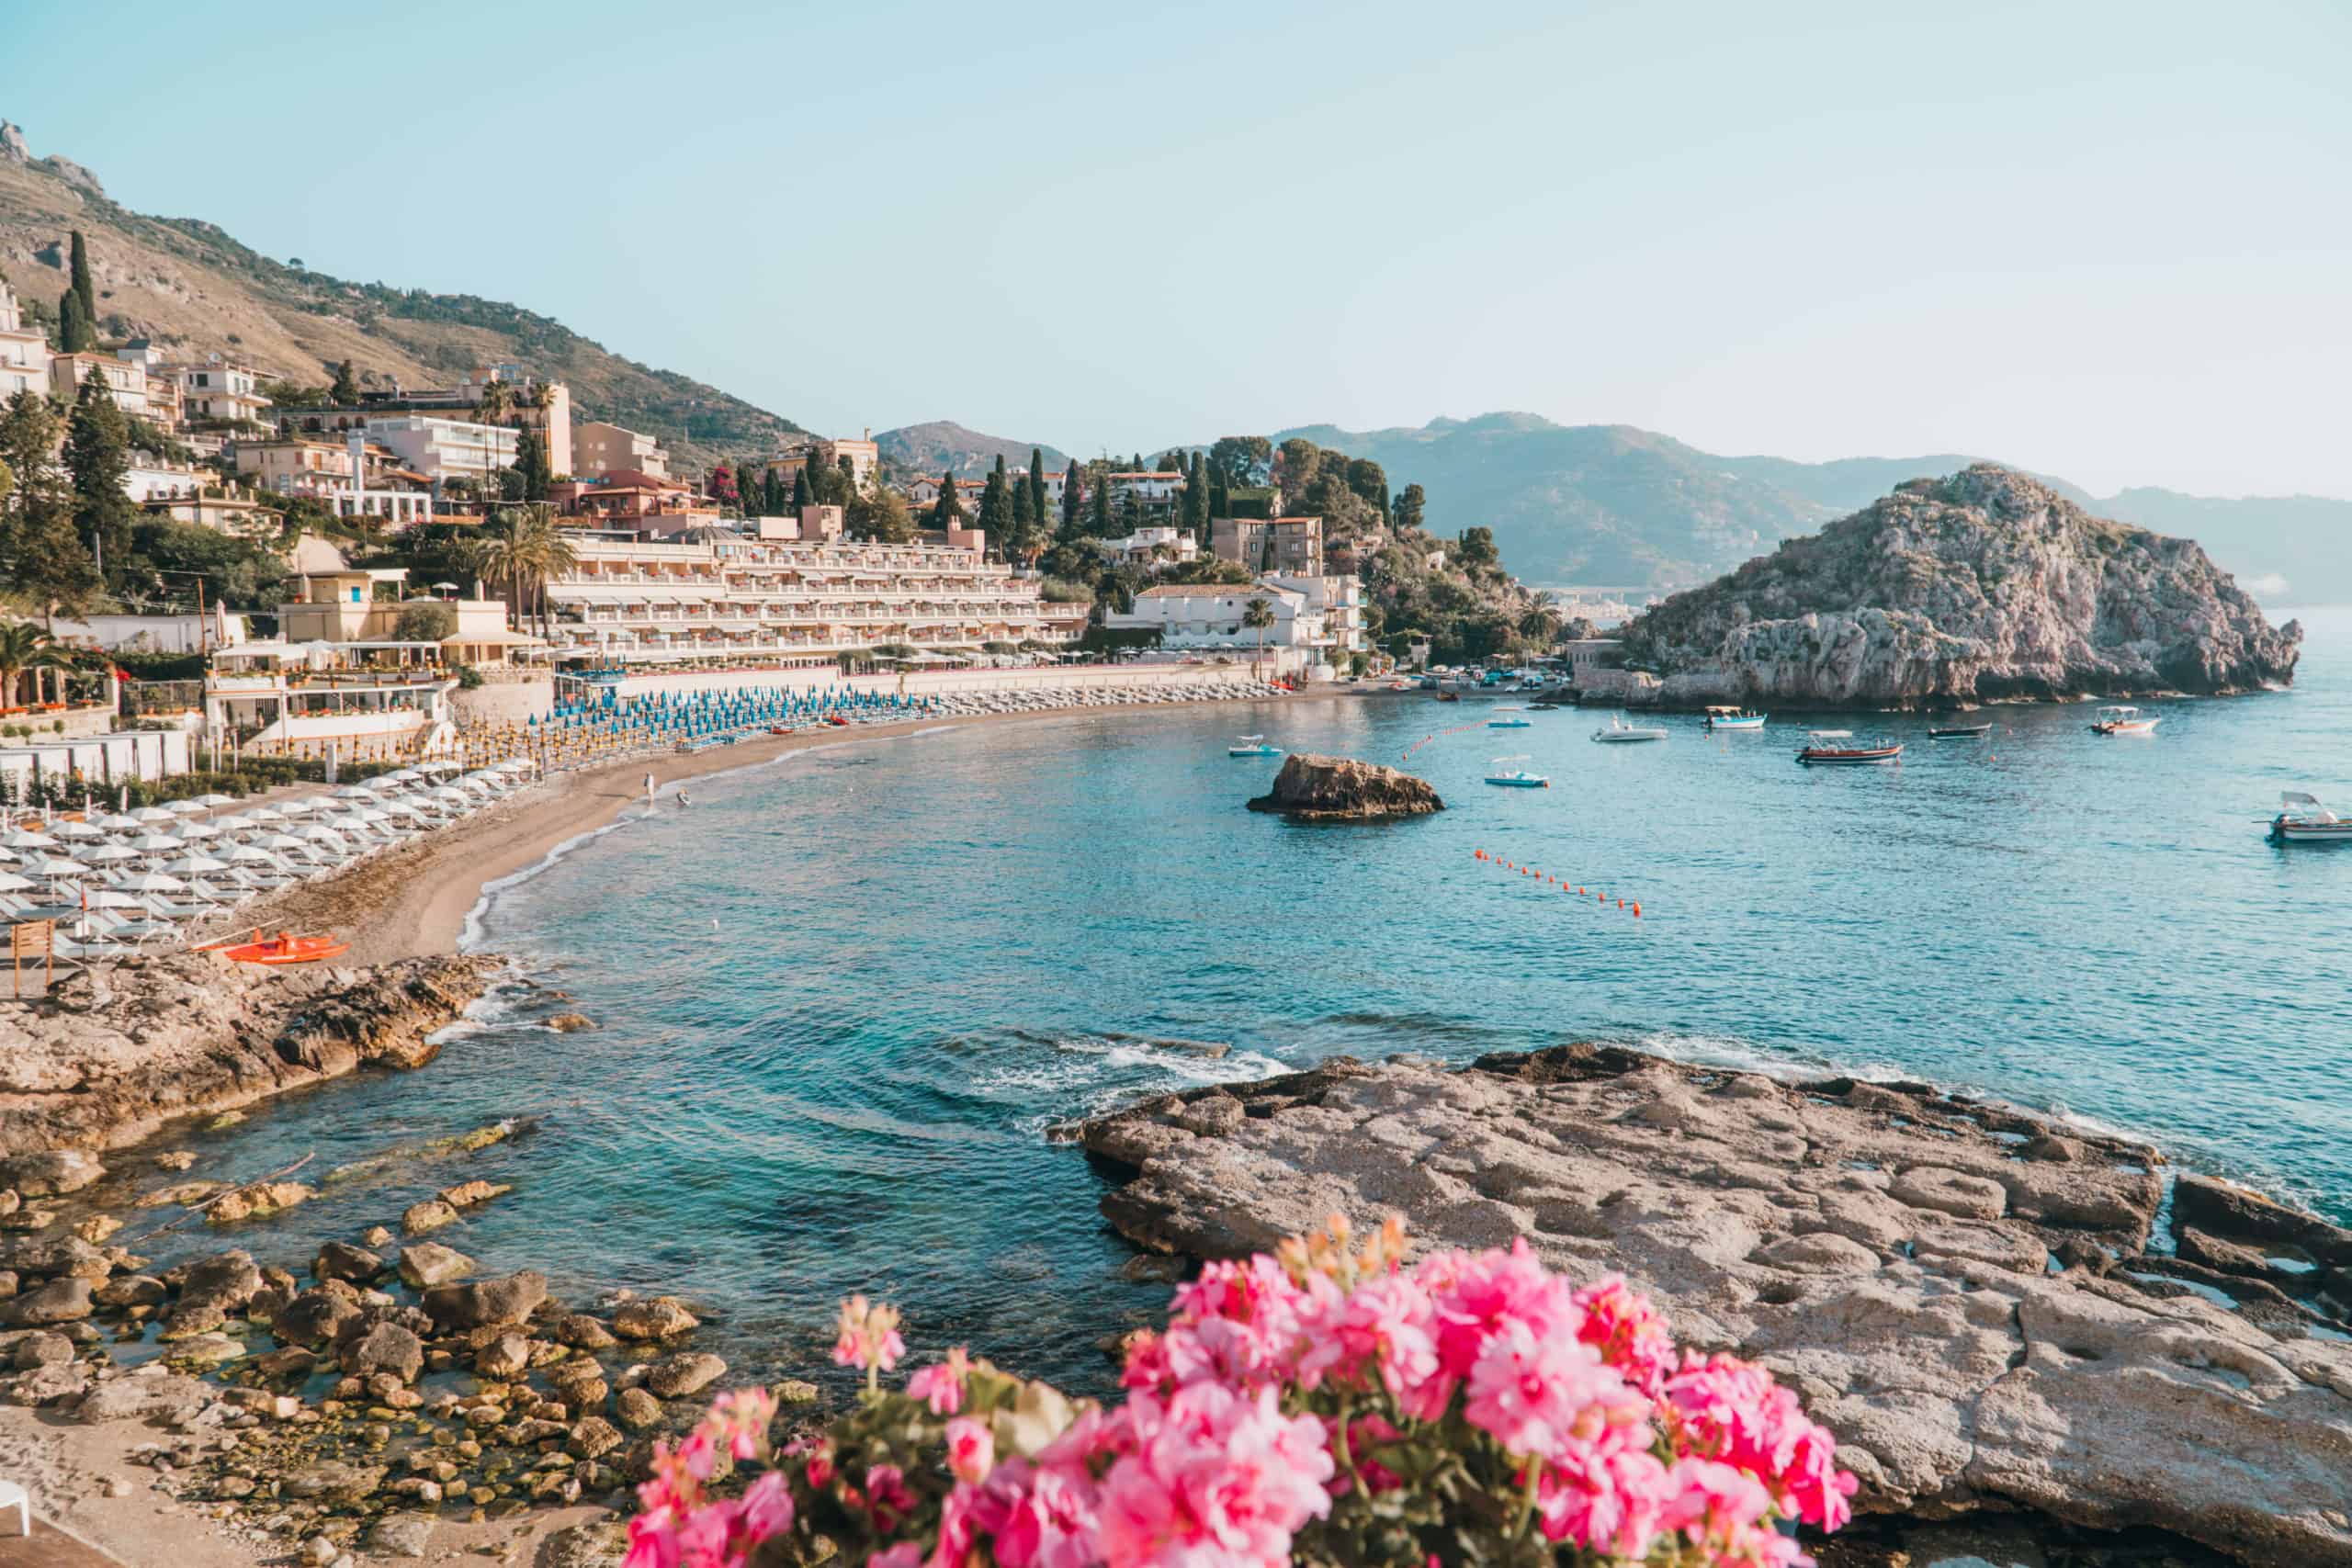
[(265, 814), (111, 898), (281, 841), (403, 776), (214, 802), (115, 823), (245, 854), (149, 882), (196, 865), (26, 839), (107, 854), (156, 844), (370, 814), (302, 805), (7, 855), (319, 833), (155, 814), (198, 831), (404, 808), (54, 868), (186, 808), (352, 792), (11, 883), (77, 830)]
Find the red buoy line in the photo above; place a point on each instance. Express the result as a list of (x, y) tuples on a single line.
[(1473, 724), (1633, 906)]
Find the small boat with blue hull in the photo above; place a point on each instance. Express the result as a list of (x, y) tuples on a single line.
[(1509, 718), (1252, 746), (1733, 718), (1504, 776)]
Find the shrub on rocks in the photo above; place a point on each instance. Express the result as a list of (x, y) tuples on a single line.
[(1327, 1404)]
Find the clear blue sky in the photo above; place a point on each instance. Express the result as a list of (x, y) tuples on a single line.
[(2112, 242)]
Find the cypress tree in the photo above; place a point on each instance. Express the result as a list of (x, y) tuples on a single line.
[(74, 333), (98, 459), (81, 277), (996, 503), (800, 496), (1037, 489), (531, 462), (947, 511), (1101, 513), (1073, 493)]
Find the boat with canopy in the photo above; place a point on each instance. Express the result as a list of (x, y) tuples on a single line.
[(1733, 718), (1252, 746), (2123, 719), (1617, 732), (1832, 747), (2301, 820), (1502, 775)]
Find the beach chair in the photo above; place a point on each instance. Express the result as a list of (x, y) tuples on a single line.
[(13, 1496)]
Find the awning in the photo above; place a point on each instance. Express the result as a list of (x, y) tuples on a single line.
[(499, 639)]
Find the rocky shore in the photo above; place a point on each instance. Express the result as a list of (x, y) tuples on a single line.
[(1982, 1305), (118, 1049), (1309, 788), (1986, 584)]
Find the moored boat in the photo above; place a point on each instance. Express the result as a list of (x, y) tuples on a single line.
[(2301, 820), (1958, 732), (1509, 718), (1252, 746), (2122, 719), (1617, 732), (1733, 718), (1504, 776), (1822, 748)]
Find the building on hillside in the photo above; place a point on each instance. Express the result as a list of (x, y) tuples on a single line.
[(922, 491), (151, 479), (238, 515), (23, 351), (818, 525), (1286, 546), (190, 633), (599, 449), (442, 449), (126, 384), (1210, 615), (543, 406), (1338, 597), (863, 456), (354, 478), (1156, 490), (1154, 547), (1056, 479), (346, 605), (631, 502), (721, 596), (221, 395), (142, 353)]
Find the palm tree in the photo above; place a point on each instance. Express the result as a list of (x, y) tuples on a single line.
[(25, 650), (1258, 616), (494, 555), (546, 553)]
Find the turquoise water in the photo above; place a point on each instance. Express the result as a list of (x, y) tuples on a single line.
[(842, 995)]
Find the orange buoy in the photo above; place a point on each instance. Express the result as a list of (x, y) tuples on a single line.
[(1637, 908)]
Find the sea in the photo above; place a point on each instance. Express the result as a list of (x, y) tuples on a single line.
[(841, 998)]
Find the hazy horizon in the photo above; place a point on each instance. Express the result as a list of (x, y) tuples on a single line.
[(2094, 244)]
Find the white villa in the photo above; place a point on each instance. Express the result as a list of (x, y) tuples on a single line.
[(1150, 546), (1208, 615), (718, 595)]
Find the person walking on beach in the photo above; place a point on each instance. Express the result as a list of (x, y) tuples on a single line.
[(648, 786)]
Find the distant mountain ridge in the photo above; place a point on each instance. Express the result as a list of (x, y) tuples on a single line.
[(942, 444), (1616, 505), (193, 290)]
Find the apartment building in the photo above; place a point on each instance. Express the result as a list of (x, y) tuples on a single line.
[(1155, 488), (442, 448), (220, 393), (863, 456), (1150, 546), (1338, 597), (23, 351), (598, 448), (124, 382), (722, 595), (1285, 546), (1210, 615), (354, 478)]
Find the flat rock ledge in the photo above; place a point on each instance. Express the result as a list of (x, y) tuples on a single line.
[(123, 1048), (1340, 789), (1963, 1293)]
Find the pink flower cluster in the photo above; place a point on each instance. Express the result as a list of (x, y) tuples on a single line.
[(1285, 1395)]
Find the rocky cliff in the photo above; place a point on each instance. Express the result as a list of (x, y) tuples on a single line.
[(1974, 1301), (1986, 584), (120, 1048), (1340, 789)]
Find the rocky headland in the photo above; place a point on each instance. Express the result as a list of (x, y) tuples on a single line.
[(1309, 788), (1984, 585), (1982, 1305), (118, 1049)]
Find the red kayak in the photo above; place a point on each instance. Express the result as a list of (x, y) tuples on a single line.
[(287, 948)]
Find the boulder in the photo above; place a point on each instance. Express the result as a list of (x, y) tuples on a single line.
[(384, 1348), (429, 1215), (258, 1201), (592, 1438), (599, 1543), (341, 1260), (51, 1173), (1340, 789), (582, 1332), (314, 1319), (1885, 1248), (144, 1396), (503, 1358), (65, 1300), (402, 1535), (425, 1264), (482, 1304), (689, 1372), (334, 1481), (465, 1194), (636, 1409), (659, 1318), (42, 1350)]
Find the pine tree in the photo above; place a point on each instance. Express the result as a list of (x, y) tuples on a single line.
[(1073, 494), (82, 285), (800, 496), (76, 335), (345, 391), (98, 460)]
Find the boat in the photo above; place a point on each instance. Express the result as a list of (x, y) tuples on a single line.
[(1821, 748), (2122, 719), (779, 729), (1958, 732), (1733, 718), (1542, 708), (1617, 732), (1507, 777), (2301, 820), (285, 948), (1449, 696), (1252, 746), (1509, 718)]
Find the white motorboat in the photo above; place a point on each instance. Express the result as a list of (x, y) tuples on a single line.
[(1504, 776), (1252, 746), (2122, 719), (2301, 820), (1617, 732)]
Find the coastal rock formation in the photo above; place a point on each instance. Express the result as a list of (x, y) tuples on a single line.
[(1340, 789), (1960, 1292), (1986, 584), (120, 1048)]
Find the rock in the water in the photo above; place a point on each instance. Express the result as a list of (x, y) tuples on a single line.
[(59, 1301), (429, 1215), (689, 1372), (384, 1348), (483, 1304), (314, 1319), (1877, 1247), (341, 1260), (425, 1264), (592, 1438), (1986, 584), (571, 1022), (503, 1358), (1340, 789), (582, 1332), (257, 1202), (52, 1173), (636, 1409), (661, 1317)]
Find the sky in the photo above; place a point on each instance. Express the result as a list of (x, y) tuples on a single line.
[(2108, 242)]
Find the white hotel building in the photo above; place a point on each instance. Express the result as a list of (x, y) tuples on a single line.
[(729, 597)]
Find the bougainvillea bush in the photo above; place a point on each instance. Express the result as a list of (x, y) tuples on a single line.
[(1326, 1404)]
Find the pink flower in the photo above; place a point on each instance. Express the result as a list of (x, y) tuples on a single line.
[(1731, 1410), (906, 1555), (766, 1509), (1726, 1513), (1611, 1502), (1627, 1331), (887, 1500), (1476, 1297), (971, 1449), (868, 1337), (942, 1386), (1386, 1326), (1539, 1396)]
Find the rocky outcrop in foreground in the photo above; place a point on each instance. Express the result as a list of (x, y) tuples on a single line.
[(1983, 585), (121, 1047), (1960, 1292), (1340, 789)]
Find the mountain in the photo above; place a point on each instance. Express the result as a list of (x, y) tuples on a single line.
[(192, 289), (2286, 548), (1988, 583), (942, 444)]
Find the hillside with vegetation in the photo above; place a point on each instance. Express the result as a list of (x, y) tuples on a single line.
[(192, 289), (943, 446)]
